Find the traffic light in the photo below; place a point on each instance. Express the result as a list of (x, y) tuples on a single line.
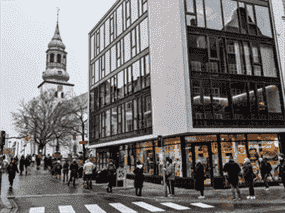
[(159, 139), (3, 137), (74, 136)]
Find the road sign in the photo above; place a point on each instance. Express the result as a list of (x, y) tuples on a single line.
[(83, 142)]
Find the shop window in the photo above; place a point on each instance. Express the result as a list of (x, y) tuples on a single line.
[(173, 152), (144, 153)]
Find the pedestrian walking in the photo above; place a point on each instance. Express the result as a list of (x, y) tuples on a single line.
[(170, 176), (65, 170), (38, 161), (248, 177), (33, 160), (73, 172), (111, 172), (265, 169), (27, 163), (88, 168), (57, 170), (22, 164), (139, 178), (16, 160), (5, 164), (45, 162), (12, 169), (199, 177), (233, 170)]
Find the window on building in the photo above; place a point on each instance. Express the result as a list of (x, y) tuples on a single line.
[(123, 118), (107, 33), (134, 45), (189, 6), (200, 13), (98, 42), (247, 57), (127, 47), (119, 20), (91, 100), (119, 119), (114, 119), (268, 60), (263, 21), (112, 28), (119, 54), (97, 74), (148, 112), (144, 34), (144, 3), (102, 34), (130, 77), (136, 76), (55, 94), (134, 8), (103, 127), (147, 71), (108, 92), (58, 60), (128, 13), (113, 58), (93, 73), (142, 64), (135, 107), (92, 47), (120, 89), (107, 62), (97, 127), (140, 116), (108, 124), (126, 81), (129, 116), (102, 95), (230, 12), (213, 15), (51, 57)]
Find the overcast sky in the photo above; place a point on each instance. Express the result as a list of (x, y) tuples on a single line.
[(26, 29)]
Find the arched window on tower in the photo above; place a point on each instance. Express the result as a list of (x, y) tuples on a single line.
[(55, 94), (62, 96), (64, 59), (51, 57), (58, 58)]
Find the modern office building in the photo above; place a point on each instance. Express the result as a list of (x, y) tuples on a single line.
[(204, 74)]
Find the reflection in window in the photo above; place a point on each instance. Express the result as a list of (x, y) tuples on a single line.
[(200, 13), (243, 19), (113, 58), (191, 20), (144, 34), (148, 112), (230, 16), (130, 80), (262, 106), (247, 58), (129, 116), (241, 108), (102, 124), (198, 96), (134, 8), (123, 118), (251, 20), (189, 6), (263, 21), (127, 47), (121, 84), (108, 91), (107, 123), (140, 121), (213, 14), (147, 71), (107, 62), (114, 121), (135, 114), (119, 119), (273, 101), (142, 73), (234, 57), (220, 103), (102, 95), (136, 76), (268, 62), (126, 81)]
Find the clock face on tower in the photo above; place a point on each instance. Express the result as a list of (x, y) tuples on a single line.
[(59, 88)]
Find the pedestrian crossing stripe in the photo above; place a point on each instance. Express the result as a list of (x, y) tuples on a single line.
[(175, 206), (66, 209), (202, 205), (37, 210), (122, 208), (148, 207), (94, 208)]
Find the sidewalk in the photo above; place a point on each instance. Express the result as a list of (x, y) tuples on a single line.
[(156, 191)]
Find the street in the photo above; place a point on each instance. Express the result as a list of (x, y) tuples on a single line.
[(39, 192)]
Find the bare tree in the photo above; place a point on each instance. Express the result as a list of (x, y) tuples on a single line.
[(44, 119)]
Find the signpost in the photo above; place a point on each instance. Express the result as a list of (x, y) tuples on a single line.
[(83, 142)]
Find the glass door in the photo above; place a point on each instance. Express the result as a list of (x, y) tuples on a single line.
[(202, 151)]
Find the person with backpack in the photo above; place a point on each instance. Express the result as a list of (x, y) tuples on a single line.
[(139, 178), (111, 172), (12, 169), (73, 171), (248, 177), (265, 168), (232, 169), (22, 164), (65, 170), (57, 170)]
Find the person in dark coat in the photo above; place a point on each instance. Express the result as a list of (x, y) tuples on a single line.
[(38, 161), (45, 162), (57, 170), (12, 169), (65, 170), (248, 177), (111, 172), (170, 176), (265, 168), (16, 160), (199, 176), (139, 178), (233, 170), (73, 172), (27, 163), (22, 164)]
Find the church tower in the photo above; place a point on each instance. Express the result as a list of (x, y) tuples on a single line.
[(55, 76)]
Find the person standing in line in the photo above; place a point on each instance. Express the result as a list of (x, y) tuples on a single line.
[(88, 168), (233, 170), (170, 176), (139, 178), (199, 176), (248, 177), (73, 172), (265, 168), (65, 170), (111, 172), (12, 169), (22, 164)]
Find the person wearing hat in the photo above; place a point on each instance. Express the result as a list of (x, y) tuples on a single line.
[(248, 177), (87, 173), (73, 171), (139, 178), (111, 172)]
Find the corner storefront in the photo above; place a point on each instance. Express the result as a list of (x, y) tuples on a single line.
[(213, 150)]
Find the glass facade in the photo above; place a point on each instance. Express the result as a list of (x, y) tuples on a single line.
[(234, 78)]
